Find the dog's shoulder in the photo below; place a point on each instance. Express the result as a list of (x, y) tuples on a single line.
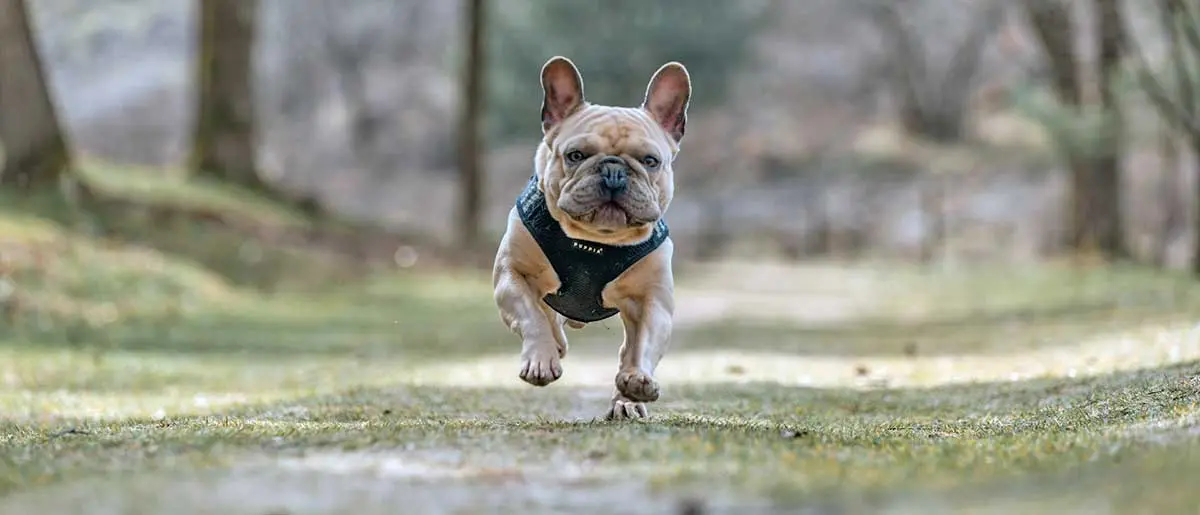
[(651, 273), (520, 252)]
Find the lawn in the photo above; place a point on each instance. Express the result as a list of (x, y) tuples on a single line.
[(138, 382)]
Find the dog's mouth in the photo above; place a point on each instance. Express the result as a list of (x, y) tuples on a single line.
[(609, 218), (609, 215)]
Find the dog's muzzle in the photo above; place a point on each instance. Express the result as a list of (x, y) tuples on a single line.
[(614, 175)]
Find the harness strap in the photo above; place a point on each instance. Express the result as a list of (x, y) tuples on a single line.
[(584, 268)]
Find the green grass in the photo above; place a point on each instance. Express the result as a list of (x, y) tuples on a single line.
[(982, 310), (226, 230), (163, 187), (134, 377)]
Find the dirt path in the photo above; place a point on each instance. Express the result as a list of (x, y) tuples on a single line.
[(365, 484)]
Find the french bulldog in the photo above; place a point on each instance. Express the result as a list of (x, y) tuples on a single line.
[(587, 240)]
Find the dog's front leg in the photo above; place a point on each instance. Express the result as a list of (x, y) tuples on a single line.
[(542, 342), (647, 335)]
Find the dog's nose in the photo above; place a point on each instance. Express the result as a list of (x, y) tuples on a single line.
[(614, 174)]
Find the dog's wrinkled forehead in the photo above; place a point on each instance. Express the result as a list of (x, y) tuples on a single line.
[(614, 130)]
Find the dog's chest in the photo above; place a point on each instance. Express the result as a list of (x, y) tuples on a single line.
[(583, 268), (582, 279)]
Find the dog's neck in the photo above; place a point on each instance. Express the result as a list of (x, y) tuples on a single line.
[(584, 268)]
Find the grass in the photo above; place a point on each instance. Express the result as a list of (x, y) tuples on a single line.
[(162, 187), (228, 231), (138, 381)]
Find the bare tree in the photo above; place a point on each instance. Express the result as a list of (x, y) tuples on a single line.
[(933, 103), (470, 130), (1095, 203), (224, 140), (31, 138), (225, 137), (1173, 90), (1104, 220)]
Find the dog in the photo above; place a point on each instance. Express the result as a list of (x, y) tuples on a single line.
[(587, 240)]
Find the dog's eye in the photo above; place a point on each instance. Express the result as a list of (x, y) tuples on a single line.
[(650, 162), (575, 156)]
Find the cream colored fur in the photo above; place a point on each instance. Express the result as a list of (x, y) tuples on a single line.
[(646, 138)]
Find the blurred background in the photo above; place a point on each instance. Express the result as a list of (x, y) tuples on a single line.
[(310, 144), (934, 130)]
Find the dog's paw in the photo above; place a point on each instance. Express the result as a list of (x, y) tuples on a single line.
[(624, 409), (540, 368), (637, 385)]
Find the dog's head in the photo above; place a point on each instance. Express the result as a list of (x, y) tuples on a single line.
[(606, 171)]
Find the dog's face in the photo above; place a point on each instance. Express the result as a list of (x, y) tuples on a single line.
[(606, 171)]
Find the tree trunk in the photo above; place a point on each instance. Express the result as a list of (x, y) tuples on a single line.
[(1051, 24), (469, 139), (31, 139), (224, 138), (1104, 221), (1168, 193), (1096, 222), (932, 200), (1195, 142)]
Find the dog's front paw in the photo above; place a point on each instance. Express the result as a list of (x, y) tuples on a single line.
[(540, 368), (624, 409), (637, 385)]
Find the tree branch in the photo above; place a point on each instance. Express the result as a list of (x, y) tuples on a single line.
[(1111, 42), (1180, 112), (1180, 10), (965, 63), (1051, 23), (910, 68), (1171, 14)]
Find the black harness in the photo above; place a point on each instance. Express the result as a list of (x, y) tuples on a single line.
[(584, 268)]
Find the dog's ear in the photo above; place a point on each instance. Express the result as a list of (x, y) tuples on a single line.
[(562, 89), (667, 98)]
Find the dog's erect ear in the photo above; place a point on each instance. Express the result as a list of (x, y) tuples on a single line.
[(562, 87), (667, 98)]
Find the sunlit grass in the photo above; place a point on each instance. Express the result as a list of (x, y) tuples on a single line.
[(246, 239), (975, 290), (158, 186), (26, 230)]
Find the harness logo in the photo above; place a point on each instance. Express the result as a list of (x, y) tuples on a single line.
[(587, 248)]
